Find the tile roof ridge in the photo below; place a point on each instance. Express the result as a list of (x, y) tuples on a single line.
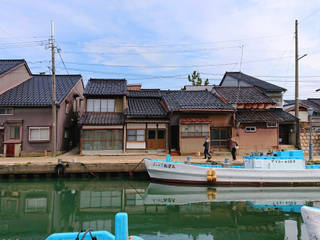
[(13, 60), (107, 79)]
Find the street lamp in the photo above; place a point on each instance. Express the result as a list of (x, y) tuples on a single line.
[(310, 112)]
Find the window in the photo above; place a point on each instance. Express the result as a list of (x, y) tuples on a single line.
[(6, 111), (271, 124), (39, 134), (14, 132), (105, 139), (90, 105), (74, 106), (136, 135), (194, 130), (250, 129), (107, 105), (161, 134), (100, 105)]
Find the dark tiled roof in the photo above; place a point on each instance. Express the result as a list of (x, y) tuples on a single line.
[(254, 81), (267, 115), (145, 93), (100, 87), (193, 100), (6, 64), (282, 115), (36, 91), (91, 118), (242, 95), (308, 103), (145, 107)]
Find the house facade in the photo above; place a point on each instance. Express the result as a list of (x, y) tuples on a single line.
[(259, 124), (26, 113), (194, 115), (147, 122), (102, 123)]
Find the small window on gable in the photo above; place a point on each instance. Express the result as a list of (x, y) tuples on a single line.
[(251, 129), (271, 124), (67, 108)]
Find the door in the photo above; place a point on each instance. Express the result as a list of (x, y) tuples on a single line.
[(284, 131), (1, 141), (10, 150), (220, 137), (156, 139)]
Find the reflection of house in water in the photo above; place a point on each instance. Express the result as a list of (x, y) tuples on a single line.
[(25, 213), (72, 205)]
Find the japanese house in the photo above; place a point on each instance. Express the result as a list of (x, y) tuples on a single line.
[(194, 115), (258, 124), (146, 121), (239, 79), (26, 113), (102, 124)]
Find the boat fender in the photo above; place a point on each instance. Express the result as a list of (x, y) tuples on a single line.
[(211, 194), (211, 176)]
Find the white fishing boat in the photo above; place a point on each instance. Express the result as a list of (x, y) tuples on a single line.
[(311, 217), (278, 168)]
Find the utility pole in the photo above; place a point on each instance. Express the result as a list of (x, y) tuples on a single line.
[(297, 85), (54, 106)]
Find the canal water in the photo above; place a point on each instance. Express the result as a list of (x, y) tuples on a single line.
[(33, 209)]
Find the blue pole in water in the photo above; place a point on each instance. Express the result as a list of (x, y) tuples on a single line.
[(168, 158), (121, 231)]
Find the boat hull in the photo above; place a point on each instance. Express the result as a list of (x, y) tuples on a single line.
[(184, 173), (311, 217)]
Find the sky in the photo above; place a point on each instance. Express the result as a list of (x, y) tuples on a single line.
[(159, 42)]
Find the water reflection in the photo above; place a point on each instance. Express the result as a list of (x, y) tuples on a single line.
[(34, 209)]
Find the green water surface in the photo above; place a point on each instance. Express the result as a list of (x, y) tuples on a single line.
[(33, 209)]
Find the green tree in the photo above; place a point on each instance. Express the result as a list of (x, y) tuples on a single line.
[(196, 80)]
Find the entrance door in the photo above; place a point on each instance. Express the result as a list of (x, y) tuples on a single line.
[(1, 141), (10, 150), (284, 132), (220, 137), (156, 139)]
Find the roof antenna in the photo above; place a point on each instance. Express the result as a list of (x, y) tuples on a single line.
[(242, 46)]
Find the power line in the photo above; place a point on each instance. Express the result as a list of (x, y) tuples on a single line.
[(177, 44), (155, 66), (153, 52)]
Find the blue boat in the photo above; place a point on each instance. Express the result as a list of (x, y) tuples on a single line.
[(121, 232)]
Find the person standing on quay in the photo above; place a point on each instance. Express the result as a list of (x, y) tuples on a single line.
[(206, 145), (234, 148)]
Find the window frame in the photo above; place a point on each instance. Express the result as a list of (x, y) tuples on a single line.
[(110, 104), (195, 133), (39, 128), (271, 126), (6, 111), (102, 139), (14, 138), (252, 130), (136, 135)]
